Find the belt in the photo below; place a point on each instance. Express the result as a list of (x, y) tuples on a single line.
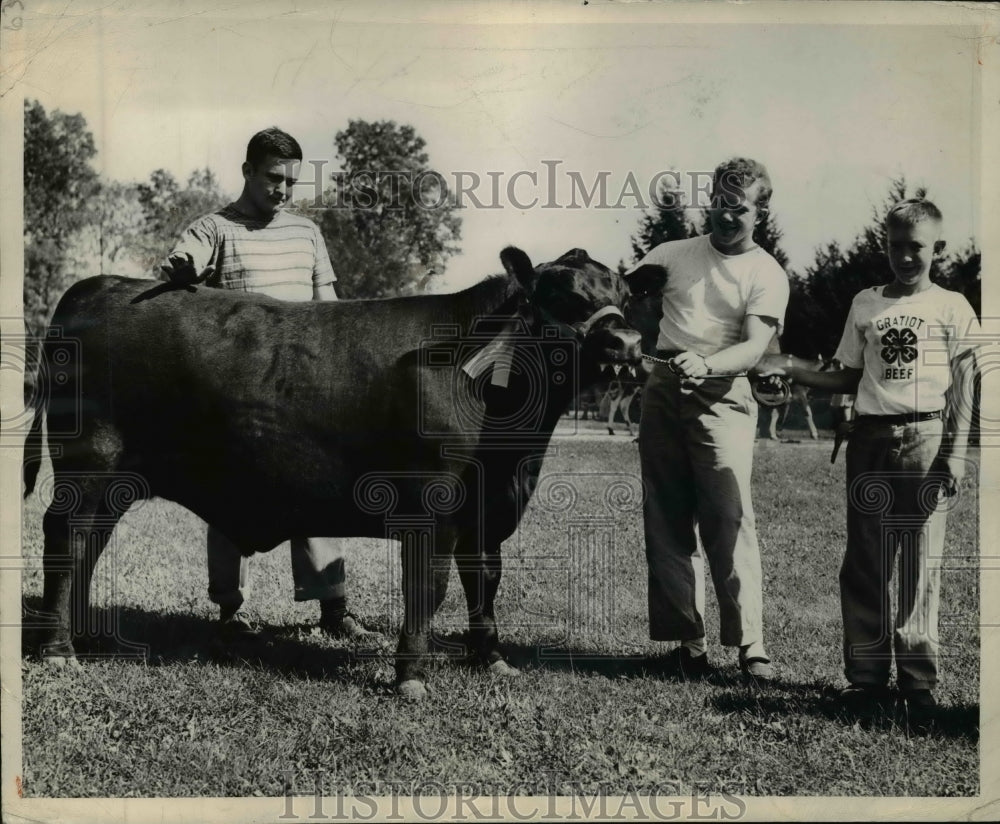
[(897, 420)]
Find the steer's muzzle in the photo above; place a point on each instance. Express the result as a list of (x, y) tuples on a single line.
[(615, 345)]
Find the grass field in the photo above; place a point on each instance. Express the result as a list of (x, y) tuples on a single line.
[(185, 720)]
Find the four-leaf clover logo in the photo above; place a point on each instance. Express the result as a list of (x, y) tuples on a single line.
[(899, 346)]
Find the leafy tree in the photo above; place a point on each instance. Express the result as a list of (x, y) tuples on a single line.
[(388, 219), (168, 209), (133, 226), (59, 185), (108, 244)]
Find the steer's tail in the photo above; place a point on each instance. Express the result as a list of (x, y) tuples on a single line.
[(33, 451), (34, 396)]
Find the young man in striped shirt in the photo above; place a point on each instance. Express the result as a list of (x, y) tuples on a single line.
[(254, 245)]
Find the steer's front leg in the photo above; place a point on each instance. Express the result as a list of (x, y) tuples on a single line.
[(425, 581), (479, 569)]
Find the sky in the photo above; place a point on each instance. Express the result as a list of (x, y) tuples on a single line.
[(554, 90)]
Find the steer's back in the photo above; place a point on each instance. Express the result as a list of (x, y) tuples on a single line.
[(261, 416)]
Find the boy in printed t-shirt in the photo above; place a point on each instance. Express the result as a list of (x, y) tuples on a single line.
[(908, 353)]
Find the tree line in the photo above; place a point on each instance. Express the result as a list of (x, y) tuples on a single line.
[(820, 296), (386, 236)]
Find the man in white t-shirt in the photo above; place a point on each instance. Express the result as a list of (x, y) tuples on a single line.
[(723, 302)]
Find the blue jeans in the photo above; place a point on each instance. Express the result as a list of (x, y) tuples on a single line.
[(893, 509)]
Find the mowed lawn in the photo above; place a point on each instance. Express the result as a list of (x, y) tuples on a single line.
[(183, 719)]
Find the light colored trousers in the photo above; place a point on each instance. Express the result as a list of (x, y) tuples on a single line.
[(892, 511), (696, 450), (317, 569)]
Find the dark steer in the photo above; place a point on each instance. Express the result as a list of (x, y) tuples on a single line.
[(424, 419)]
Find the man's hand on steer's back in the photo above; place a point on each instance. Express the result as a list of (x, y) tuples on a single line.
[(180, 269)]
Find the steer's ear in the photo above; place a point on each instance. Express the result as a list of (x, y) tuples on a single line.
[(648, 278), (518, 265)]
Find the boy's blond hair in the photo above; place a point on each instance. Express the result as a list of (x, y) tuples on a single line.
[(912, 211), (737, 174)]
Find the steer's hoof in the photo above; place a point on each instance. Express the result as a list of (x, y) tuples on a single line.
[(502, 669), (412, 690), (62, 661)]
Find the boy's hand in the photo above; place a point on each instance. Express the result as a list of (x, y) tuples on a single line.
[(179, 268), (769, 365), (689, 365), (954, 470)]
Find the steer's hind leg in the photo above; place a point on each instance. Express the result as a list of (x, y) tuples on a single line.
[(77, 526), (480, 570), (426, 565)]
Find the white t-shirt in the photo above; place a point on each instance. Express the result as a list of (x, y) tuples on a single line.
[(708, 294), (905, 347)]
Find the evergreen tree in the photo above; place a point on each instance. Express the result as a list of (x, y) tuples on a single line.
[(667, 221), (960, 271), (768, 236)]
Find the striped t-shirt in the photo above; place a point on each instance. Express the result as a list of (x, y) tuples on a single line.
[(283, 257)]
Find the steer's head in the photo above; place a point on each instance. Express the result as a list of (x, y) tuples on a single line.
[(583, 299)]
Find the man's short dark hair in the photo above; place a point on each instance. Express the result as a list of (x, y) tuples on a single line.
[(735, 176), (272, 142)]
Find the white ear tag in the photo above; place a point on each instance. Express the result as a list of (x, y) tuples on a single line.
[(501, 366)]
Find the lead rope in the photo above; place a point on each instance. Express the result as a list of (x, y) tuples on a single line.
[(669, 363), (781, 396)]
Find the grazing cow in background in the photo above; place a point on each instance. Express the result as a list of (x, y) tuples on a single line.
[(622, 391), (423, 419), (602, 401)]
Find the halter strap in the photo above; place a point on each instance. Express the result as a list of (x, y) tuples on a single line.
[(498, 352), (583, 328)]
